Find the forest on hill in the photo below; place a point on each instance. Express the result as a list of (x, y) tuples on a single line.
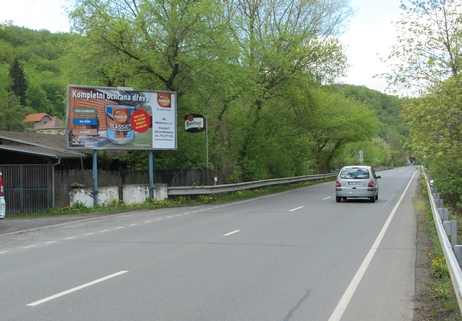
[(266, 86)]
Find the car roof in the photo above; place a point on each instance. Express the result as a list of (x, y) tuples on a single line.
[(357, 166)]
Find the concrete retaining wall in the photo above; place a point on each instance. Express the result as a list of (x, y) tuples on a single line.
[(132, 194)]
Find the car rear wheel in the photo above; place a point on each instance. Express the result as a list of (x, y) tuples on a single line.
[(338, 199), (372, 199)]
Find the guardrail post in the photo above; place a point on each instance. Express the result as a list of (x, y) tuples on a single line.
[(458, 253), (447, 227), (440, 212), (444, 213), (439, 203), (450, 227), (453, 233)]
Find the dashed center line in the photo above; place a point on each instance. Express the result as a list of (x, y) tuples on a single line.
[(33, 304), (231, 233), (28, 247), (69, 238), (297, 208)]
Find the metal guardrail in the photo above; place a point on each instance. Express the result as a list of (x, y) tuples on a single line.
[(447, 234), (215, 189)]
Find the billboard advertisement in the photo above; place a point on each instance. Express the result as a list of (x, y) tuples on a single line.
[(103, 118)]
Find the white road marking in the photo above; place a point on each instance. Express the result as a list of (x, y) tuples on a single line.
[(230, 233), (297, 208), (50, 242), (104, 231), (349, 292), (33, 304), (3, 252), (28, 247), (89, 234), (326, 198), (169, 216), (133, 224), (69, 238), (118, 228), (147, 221), (158, 219)]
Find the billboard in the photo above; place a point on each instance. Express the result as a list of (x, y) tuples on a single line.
[(103, 118)]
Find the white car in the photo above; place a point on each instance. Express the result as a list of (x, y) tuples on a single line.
[(2, 198), (357, 182)]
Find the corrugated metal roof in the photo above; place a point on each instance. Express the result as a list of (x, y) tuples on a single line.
[(38, 144)]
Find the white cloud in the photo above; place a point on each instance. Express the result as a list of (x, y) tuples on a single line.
[(369, 38), (370, 32), (36, 14)]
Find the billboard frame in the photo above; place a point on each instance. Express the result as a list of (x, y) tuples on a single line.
[(120, 118)]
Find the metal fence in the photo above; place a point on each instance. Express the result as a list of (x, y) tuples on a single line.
[(27, 188)]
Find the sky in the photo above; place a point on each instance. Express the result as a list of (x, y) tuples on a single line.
[(370, 34)]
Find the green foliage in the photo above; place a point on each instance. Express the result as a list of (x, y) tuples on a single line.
[(19, 84), (388, 110), (12, 114), (448, 183), (34, 60), (257, 75), (428, 45)]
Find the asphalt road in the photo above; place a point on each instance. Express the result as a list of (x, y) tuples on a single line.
[(297, 255)]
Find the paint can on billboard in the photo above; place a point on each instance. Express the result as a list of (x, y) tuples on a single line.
[(119, 128)]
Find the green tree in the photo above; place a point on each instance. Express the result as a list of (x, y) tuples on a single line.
[(429, 45), (19, 83), (240, 63), (436, 122), (13, 113)]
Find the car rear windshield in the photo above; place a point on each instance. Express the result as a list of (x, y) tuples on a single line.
[(354, 173)]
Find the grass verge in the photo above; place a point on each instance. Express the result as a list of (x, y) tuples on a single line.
[(435, 296)]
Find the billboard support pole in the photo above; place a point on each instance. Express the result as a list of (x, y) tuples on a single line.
[(207, 149), (95, 178), (151, 173)]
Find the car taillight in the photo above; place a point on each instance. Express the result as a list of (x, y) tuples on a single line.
[(338, 184), (371, 184), (2, 191)]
